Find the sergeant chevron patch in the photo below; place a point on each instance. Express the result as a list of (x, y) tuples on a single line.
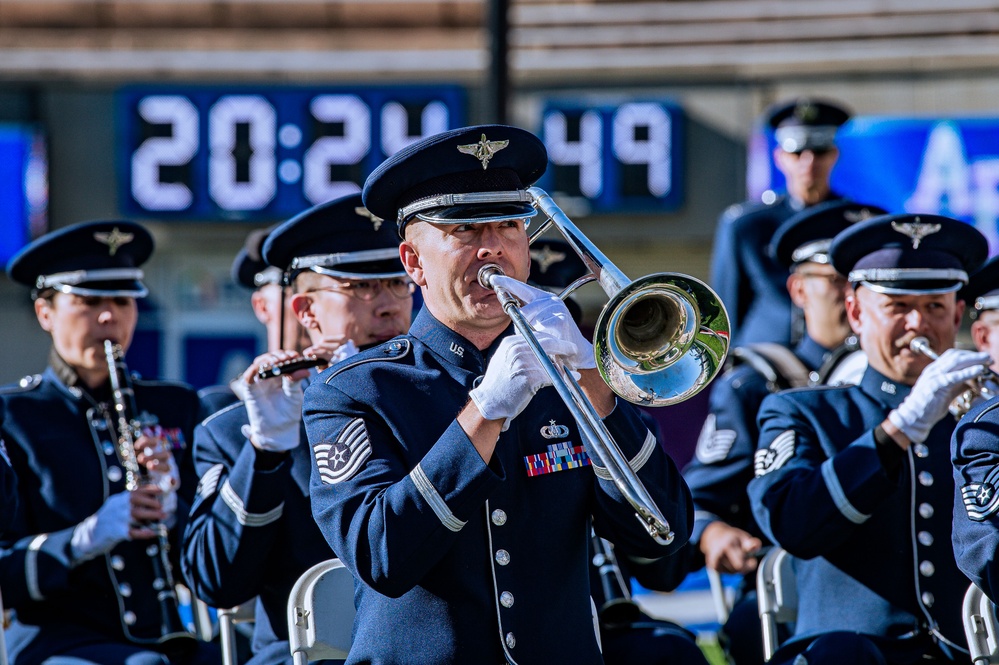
[(776, 455), (980, 499), (342, 459), (713, 445), (210, 481)]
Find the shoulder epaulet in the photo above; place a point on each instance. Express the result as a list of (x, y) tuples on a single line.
[(394, 349), (223, 410), (29, 382)]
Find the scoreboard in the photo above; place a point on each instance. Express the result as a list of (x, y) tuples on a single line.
[(233, 153), (246, 153)]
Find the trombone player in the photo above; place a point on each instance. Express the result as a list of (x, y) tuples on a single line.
[(448, 476)]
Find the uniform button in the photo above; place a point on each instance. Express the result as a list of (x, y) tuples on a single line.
[(502, 557), (114, 474), (125, 590), (928, 599), (921, 450), (128, 617), (925, 511), (108, 449), (99, 425), (117, 562), (511, 640), (926, 568), (506, 599), (499, 517), (159, 584), (925, 478), (925, 538)]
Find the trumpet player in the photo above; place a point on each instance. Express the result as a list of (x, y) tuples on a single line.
[(855, 482), (726, 538), (448, 476), (251, 533), (76, 565)]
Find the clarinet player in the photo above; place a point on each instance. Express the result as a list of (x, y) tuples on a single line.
[(82, 562)]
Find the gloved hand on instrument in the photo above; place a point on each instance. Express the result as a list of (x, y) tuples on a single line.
[(548, 314), (514, 375), (940, 383), (274, 409), (121, 517)]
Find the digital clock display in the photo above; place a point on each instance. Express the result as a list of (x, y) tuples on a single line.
[(248, 153), (627, 156)]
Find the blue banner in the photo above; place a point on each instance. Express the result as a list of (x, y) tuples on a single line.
[(23, 188), (946, 166)]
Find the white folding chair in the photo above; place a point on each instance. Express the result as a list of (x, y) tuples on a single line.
[(321, 613), (777, 596), (722, 603), (980, 626), (229, 618), (3, 638)]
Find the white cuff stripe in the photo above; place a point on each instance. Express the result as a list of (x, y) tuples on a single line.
[(636, 462), (235, 504), (31, 566), (839, 496), (430, 495)]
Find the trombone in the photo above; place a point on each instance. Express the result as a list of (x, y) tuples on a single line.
[(659, 340)]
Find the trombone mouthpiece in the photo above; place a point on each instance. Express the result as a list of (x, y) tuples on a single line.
[(486, 273)]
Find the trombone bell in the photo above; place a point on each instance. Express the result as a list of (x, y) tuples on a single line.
[(661, 339)]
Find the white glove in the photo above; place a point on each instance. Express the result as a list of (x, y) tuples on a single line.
[(274, 409), (548, 314), (513, 377), (100, 532), (942, 381)]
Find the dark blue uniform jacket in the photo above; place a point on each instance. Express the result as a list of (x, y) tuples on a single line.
[(747, 277), (723, 460), (460, 561), (62, 446), (975, 453), (251, 531), (871, 527)]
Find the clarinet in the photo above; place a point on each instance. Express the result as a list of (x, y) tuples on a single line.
[(618, 609), (175, 641)]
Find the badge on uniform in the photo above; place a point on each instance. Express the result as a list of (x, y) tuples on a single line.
[(560, 456), (342, 459), (776, 455), (172, 437), (713, 445), (980, 499)]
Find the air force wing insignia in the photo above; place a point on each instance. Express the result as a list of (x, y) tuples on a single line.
[(376, 221), (981, 499), (776, 455), (483, 150), (713, 445), (916, 230), (344, 457), (113, 239)]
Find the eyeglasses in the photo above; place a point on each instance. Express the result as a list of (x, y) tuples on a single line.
[(368, 289), (818, 152)]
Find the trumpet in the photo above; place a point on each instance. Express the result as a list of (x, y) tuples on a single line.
[(658, 341), (976, 388)]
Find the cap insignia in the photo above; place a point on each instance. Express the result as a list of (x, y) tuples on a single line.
[(483, 150), (546, 257), (113, 239), (916, 230), (854, 216), (807, 112), (376, 221)]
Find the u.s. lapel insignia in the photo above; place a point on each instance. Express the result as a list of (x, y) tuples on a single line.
[(981, 499), (343, 458), (560, 457), (916, 230), (376, 221), (775, 456), (713, 445), (113, 239), (483, 150), (546, 257), (553, 431)]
